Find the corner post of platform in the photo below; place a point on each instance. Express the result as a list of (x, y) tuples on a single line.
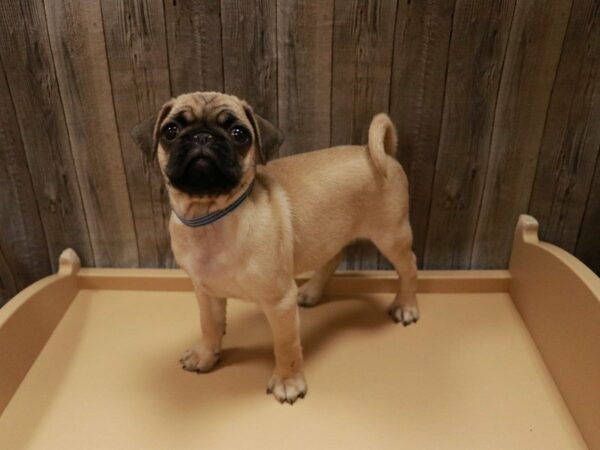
[(69, 262)]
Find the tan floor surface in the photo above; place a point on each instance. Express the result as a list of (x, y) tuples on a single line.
[(467, 376)]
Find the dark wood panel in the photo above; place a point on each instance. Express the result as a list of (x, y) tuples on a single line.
[(304, 41), (8, 284), (139, 72), (476, 55), (532, 56), (571, 138), (25, 50), (588, 242), (194, 45), (250, 53), (77, 42), (363, 41), (421, 41), (496, 115), (363, 38), (22, 241)]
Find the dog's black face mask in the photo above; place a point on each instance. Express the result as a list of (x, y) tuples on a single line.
[(206, 153), (205, 158)]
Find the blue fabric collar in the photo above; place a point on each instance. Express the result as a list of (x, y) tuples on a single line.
[(211, 217)]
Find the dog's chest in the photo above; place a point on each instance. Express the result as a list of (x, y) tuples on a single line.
[(204, 257), (214, 263)]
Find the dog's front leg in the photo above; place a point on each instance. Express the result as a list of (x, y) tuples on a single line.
[(287, 383), (205, 354)]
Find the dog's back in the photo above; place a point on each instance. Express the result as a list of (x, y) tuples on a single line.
[(347, 190)]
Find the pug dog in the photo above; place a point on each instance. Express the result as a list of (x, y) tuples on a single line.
[(243, 228)]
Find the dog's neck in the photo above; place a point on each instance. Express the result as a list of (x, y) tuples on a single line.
[(202, 210)]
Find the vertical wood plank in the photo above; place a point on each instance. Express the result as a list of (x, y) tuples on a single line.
[(588, 241), (194, 45), (532, 57), (476, 55), (363, 39), (304, 41), (22, 241), (250, 53), (26, 51), (421, 41), (8, 284), (137, 56), (571, 140), (77, 42)]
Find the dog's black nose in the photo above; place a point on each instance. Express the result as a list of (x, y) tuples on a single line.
[(203, 138)]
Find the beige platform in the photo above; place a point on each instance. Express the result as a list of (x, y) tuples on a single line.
[(499, 360)]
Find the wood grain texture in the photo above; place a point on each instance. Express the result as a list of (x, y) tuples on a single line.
[(77, 42), (588, 242), (571, 140), (304, 42), (476, 55), (22, 241), (250, 53), (39, 113), (496, 105), (194, 45), (139, 73), (363, 39), (421, 41), (8, 284), (532, 57)]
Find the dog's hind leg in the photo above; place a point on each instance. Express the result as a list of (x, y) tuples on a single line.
[(397, 248), (311, 292)]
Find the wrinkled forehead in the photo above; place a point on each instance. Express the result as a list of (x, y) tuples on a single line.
[(209, 106)]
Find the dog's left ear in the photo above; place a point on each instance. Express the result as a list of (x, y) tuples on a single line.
[(269, 138), (145, 133)]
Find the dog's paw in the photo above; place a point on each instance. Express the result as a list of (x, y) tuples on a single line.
[(287, 390), (308, 296), (404, 314), (199, 359)]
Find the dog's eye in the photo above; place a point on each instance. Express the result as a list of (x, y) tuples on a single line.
[(170, 131), (239, 135)]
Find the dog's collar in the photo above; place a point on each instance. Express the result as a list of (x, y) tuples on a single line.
[(211, 217)]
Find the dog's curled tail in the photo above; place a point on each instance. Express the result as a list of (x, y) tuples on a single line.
[(382, 141)]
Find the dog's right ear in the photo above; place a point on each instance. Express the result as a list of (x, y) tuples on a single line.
[(145, 133)]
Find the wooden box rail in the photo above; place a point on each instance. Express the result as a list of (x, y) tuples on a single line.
[(500, 359)]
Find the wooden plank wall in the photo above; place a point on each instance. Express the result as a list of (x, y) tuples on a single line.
[(497, 104)]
